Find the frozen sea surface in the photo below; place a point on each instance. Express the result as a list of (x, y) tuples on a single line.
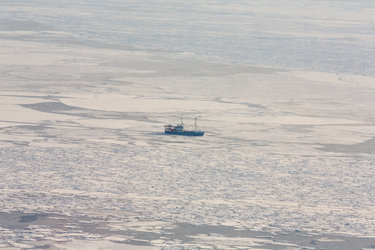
[(286, 97), (314, 35)]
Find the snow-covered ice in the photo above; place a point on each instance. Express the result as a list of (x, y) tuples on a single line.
[(286, 97)]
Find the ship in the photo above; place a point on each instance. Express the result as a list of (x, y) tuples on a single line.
[(179, 130)]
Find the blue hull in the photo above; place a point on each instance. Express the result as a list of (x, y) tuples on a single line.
[(185, 133)]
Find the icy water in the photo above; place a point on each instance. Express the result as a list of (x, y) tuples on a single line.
[(284, 90)]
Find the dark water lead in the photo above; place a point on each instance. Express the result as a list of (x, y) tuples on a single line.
[(366, 147), (83, 227)]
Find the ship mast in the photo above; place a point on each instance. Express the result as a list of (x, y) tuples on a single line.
[(195, 126)]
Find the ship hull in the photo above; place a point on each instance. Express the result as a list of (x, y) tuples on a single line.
[(185, 133)]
